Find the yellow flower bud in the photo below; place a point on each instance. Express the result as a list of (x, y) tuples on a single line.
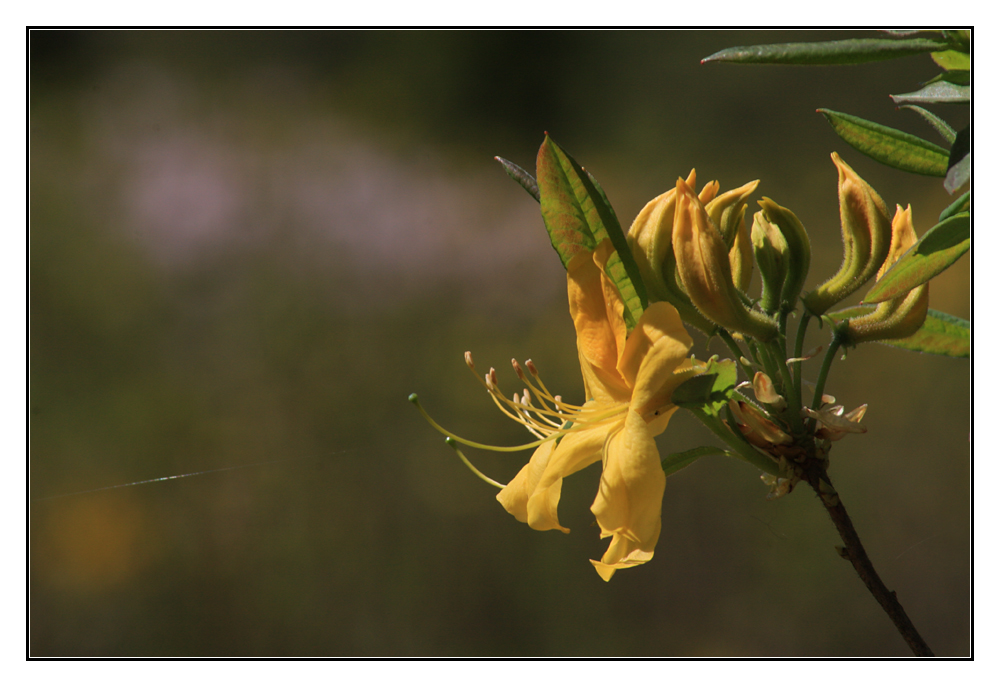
[(866, 231), (900, 317), (651, 241), (704, 269), (728, 213)]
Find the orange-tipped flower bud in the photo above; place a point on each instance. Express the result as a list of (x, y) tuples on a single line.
[(704, 269), (900, 317), (866, 231), (651, 241)]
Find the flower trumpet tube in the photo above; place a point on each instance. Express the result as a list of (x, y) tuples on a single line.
[(704, 268), (899, 317), (866, 229)]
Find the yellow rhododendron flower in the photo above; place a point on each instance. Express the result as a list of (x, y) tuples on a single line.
[(629, 379)]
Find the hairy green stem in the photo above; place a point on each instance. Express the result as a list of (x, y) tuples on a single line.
[(800, 337), (831, 353), (736, 351)]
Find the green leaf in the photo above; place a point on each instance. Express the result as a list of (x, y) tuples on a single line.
[(851, 51), (962, 204), (952, 59), (941, 333), (936, 251), (960, 39), (937, 92), (709, 391), (522, 177), (578, 217), (889, 146), (564, 216), (677, 461), (941, 126), (959, 77)]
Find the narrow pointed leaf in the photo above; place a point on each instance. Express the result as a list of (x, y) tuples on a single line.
[(564, 217), (889, 146), (959, 77), (941, 333), (935, 252), (937, 92), (851, 51), (677, 461), (578, 216), (941, 126), (522, 177), (961, 204)]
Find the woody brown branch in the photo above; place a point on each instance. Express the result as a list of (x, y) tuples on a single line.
[(815, 473)]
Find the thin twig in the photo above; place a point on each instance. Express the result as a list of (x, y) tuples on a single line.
[(855, 553)]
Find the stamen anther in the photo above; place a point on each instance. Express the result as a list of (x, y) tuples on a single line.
[(468, 360), (531, 367), (517, 368)]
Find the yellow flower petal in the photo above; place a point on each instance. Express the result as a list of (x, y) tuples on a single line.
[(657, 346), (533, 495), (596, 336), (630, 497)]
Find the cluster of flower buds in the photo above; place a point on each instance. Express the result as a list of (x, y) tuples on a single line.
[(705, 269), (693, 250)]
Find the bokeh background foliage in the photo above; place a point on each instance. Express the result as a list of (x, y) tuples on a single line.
[(250, 247)]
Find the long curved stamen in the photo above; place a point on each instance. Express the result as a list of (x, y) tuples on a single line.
[(521, 412), (451, 442), (527, 420), (526, 398), (556, 400), (474, 444), (540, 393), (550, 422)]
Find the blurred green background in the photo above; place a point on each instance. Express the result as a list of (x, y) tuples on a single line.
[(248, 248)]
